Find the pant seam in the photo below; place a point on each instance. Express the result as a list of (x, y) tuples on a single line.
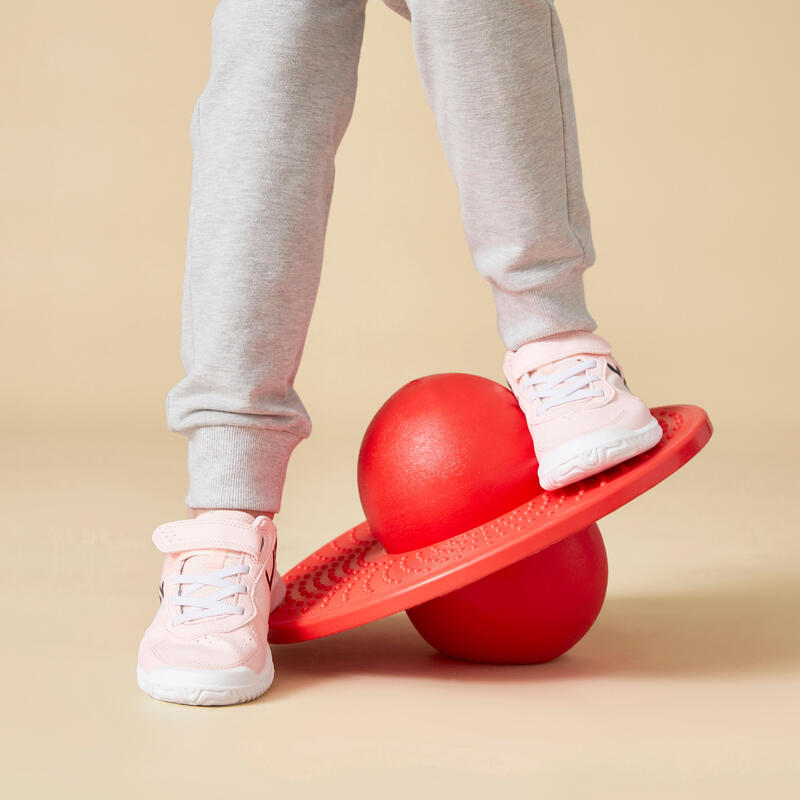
[(564, 136), (244, 428)]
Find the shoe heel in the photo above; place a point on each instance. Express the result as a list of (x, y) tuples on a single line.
[(278, 593)]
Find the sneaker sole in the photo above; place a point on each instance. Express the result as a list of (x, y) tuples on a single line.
[(212, 687), (195, 687), (594, 452)]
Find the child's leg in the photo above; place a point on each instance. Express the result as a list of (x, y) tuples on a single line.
[(496, 76), (495, 72), (264, 134)]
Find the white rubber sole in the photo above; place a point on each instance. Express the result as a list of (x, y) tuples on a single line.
[(594, 452), (212, 687), (206, 687)]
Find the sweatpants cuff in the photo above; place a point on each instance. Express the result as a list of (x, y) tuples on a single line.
[(233, 467), (558, 306)]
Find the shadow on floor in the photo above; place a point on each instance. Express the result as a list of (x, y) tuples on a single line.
[(728, 631)]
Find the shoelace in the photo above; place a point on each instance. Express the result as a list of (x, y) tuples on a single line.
[(211, 605), (573, 383)]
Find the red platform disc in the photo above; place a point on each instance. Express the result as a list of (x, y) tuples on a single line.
[(352, 580)]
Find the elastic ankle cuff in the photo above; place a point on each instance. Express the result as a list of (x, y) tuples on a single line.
[(558, 306), (233, 467)]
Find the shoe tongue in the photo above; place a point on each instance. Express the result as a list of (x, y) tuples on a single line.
[(559, 366), (206, 561)]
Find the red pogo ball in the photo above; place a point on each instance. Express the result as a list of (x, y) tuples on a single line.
[(443, 454), (447, 453), (533, 611)]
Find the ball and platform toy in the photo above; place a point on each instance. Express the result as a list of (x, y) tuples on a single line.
[(459, 534)]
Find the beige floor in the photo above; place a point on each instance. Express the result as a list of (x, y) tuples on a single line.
[(688, 685)]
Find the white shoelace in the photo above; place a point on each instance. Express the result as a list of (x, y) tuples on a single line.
[(573, 383), (210, 605)]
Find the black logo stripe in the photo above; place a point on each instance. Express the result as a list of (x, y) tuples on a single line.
[(271, 575), (618, 372)]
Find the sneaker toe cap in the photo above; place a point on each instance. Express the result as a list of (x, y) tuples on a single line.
[(628, 413), (209, 651)]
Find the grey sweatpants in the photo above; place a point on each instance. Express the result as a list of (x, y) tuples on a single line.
[(264, 134)]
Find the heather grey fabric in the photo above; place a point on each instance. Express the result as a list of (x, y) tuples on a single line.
[(264, 134)]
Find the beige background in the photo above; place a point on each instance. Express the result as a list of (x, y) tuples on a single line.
[(689, 681)]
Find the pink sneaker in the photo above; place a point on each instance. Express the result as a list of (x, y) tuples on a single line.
[(580, 412), (208, 642)]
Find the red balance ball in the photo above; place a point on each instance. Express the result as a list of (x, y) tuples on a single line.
[(447, 453), (530, 612)]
